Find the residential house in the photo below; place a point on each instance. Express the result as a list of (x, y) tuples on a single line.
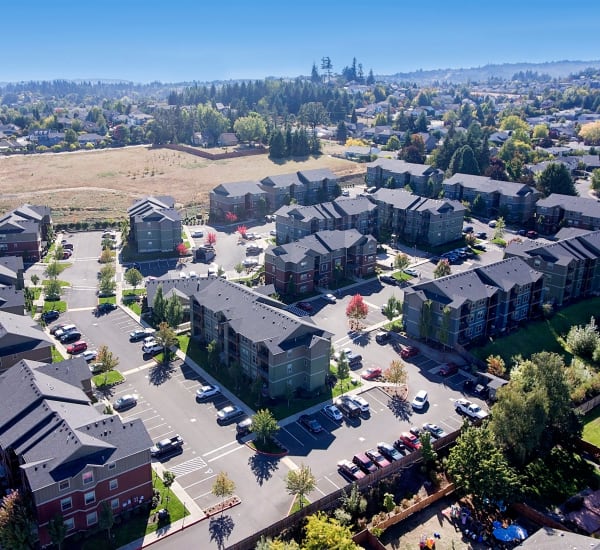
[(92, 138), (294, 222), (317, 260), (571, 267), (22, 338), (47, 138), (11, 272), (398, 174), (360, 153), (515, 202), (473, 305), (227, 139), (252, 331), (556, 211), (154, 225), (414, 219), (25, 231), (12, 300), (63, 454), (246, 199)]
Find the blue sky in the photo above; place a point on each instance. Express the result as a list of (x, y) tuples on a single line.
[(185, 40)]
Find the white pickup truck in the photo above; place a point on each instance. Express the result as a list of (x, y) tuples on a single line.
[(472, 410)]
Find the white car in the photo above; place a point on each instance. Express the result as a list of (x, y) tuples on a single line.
[(333, 412), (197, 234), (152, 348), (88, 355), (411, 271), (210, 390), (250, 262), (361, 403), (330, 298), (420, 400), (345, 351)]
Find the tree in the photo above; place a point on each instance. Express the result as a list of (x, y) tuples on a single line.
[(300, 482), (107, 286), (590, 133), (211, 238), (556, 179), (495, 365), (264, 424), (108, 360), (52, 290), (401, 261), (182, 249), (312, 114), (223, 487), (53, 270), (106, 256), (343, 369), (323, 532), (513, 122), (165, 337), (392, 308), (500, 228), (59, 252), (356, 310), (478, 466), (168, 480), (159, 306), (595, 185), (540, 131), (353, 503), (250, 128), (17, 527), (57, 530), (242, 230), (173, 311), (442, 269), (35, 279), (342, 132), (107, 518), (133, 277), (212, 349), (396, 373), (277, 149)]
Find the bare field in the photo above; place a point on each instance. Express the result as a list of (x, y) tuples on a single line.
[(99, 185)]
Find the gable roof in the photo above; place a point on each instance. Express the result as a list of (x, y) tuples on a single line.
[(239, 189), (401, 167), (506, 273), (583, 205), (403, 200), (488, 185)]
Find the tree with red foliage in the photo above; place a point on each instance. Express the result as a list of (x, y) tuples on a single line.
[(211, 239), (231, 217), (242, 230), (182, 250), (356, 310)]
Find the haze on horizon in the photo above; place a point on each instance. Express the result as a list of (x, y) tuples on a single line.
[(183, 40)]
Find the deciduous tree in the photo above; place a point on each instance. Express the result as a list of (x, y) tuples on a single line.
[(16, 523), (166, 337), (223, 487), (323, 532), (107, 518), (401, 261), (356, 310), (442, 269), (300, 482), (264, 424), (556, 179), (396, 373), (590, 133), (133, 277)]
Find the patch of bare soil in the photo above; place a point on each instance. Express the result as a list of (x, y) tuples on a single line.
[(102, 184)]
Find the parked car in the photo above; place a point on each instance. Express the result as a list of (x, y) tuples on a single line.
[(434, 430), (410, 441), (411, 271), (401, 447), (64, 329), (408, 351), (166, 447), (448, 369), (50, 315), (348, 407), (364, 463), (472, 410), (420, 400), (480, 390), (152, 349), (56, 328), (77, 347), (68, 246), (361, 403), (250, 262), (330, 298), (468, 229), (532, 234), (70, 337), (140, 334), (378, 459), (198, 234), (229, 413), (125, 402), (105, 307), (522, 232), (311, 424), (350, 470), (492, 223), (388, 279), (305, 306), (244, 427), (88, 355), (333, 412), (96, 368), (389, 451), (371, 373), (482, 235), (383, 337), (206, 391)]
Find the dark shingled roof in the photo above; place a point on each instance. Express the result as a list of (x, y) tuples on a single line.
[(507, 273)]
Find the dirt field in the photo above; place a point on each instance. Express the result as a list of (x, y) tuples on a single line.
[(91, 185)]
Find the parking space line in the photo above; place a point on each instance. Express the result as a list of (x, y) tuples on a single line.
[(293, 436), (220, 448), (185, 488), (139, 369), (330, 481), (227, 453)]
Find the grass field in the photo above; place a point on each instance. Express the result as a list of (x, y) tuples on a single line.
[(591, 427), (101, 185), (546, 335)]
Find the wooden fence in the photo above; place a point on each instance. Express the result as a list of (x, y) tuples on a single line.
[(589, 405), (213, 156)]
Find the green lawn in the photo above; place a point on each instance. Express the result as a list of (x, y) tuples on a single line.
[(107, 379), (591, 427), (58, 305), (108, 300), (56, 355), (545, 335)]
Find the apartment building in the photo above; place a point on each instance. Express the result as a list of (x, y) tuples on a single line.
[(556, 211), (421, 178), (25, 231), (154, 225)]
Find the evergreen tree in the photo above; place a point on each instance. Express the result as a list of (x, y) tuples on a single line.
[(342, 132), (277, 145), (314, 75), (370, 78), (556, 179)]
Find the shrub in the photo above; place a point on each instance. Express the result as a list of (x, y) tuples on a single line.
[(583, 340)]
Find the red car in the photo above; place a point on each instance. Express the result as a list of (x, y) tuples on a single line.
[(378, 459), (77, 347), (305, 306), (350, 470), (449, 369), (410, 440), (364, 463), (371, 373), (408, 351)]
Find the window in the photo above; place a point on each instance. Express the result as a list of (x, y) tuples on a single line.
[(114, 503), (112, 466), (66, 504), (113, 484), (290, 368), (87, 478), (92, 518), (64, 485), (69, 524), (90, 497)]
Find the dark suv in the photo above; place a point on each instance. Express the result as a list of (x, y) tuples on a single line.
[(348, 407)]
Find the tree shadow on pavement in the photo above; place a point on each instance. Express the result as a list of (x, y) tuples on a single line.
[(400, 407), (220, 527), (263, 466), (160, 373)]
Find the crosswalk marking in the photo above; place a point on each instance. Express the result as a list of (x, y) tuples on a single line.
[(188, 466)]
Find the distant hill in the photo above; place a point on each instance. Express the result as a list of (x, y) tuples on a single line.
[(505, 71)]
